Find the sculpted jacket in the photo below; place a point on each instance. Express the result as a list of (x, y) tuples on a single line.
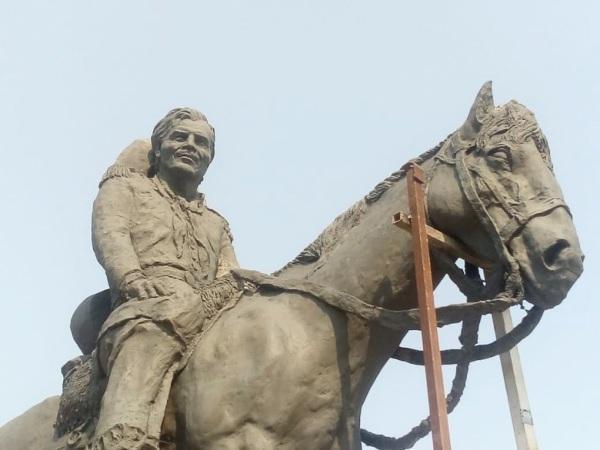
[(140, 225)]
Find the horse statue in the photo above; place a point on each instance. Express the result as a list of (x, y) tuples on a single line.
[(290, 366)]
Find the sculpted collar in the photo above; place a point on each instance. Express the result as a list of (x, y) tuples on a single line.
[(196, 206)]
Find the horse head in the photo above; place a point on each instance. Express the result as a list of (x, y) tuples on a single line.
[(493, 187)]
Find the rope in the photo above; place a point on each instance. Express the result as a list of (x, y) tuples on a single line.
[(480, 352), (468, 338), (470, 284)]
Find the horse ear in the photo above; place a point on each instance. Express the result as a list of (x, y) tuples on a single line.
[(482, 106)]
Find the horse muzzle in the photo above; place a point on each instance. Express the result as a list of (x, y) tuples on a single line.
[(549, 256)]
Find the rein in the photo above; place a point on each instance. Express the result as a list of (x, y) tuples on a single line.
[(506, 279)]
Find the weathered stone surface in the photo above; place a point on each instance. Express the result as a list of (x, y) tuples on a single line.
[(31, 430), (279, 369)]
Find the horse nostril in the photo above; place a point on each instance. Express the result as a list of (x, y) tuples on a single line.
[(552, 253)]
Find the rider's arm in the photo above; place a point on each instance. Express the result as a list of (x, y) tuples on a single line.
[(227, 259), (111, 221)]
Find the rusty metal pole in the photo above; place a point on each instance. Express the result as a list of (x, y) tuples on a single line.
[(431, 347)]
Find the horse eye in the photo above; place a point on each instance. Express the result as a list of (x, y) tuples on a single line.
[(501, 154)]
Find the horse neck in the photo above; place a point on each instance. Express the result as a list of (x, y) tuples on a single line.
[(363, 254)]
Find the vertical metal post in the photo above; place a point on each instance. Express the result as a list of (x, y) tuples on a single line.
[(514, 381), (431, 346)]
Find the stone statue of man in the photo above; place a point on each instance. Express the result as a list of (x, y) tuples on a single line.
[(159, 245)]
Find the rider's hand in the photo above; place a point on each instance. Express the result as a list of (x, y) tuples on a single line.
[(142, 288)]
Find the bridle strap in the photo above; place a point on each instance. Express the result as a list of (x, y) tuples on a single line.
[(470, 192), (517, 220), (515, 226)]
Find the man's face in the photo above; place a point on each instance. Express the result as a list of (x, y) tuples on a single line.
[(186, 149)]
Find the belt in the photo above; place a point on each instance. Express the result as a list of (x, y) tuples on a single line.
[(176, 273)]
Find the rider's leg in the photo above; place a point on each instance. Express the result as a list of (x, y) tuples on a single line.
[(139, 374)]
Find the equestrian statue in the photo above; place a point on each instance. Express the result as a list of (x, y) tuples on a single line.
[(186, 350)]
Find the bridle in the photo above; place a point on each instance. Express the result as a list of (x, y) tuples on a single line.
[(504, 282)]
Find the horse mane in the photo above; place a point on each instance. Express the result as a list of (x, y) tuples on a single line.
[(383, 187), (343, 223)]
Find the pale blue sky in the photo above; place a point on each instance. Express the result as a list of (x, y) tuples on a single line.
[(314, 102)]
